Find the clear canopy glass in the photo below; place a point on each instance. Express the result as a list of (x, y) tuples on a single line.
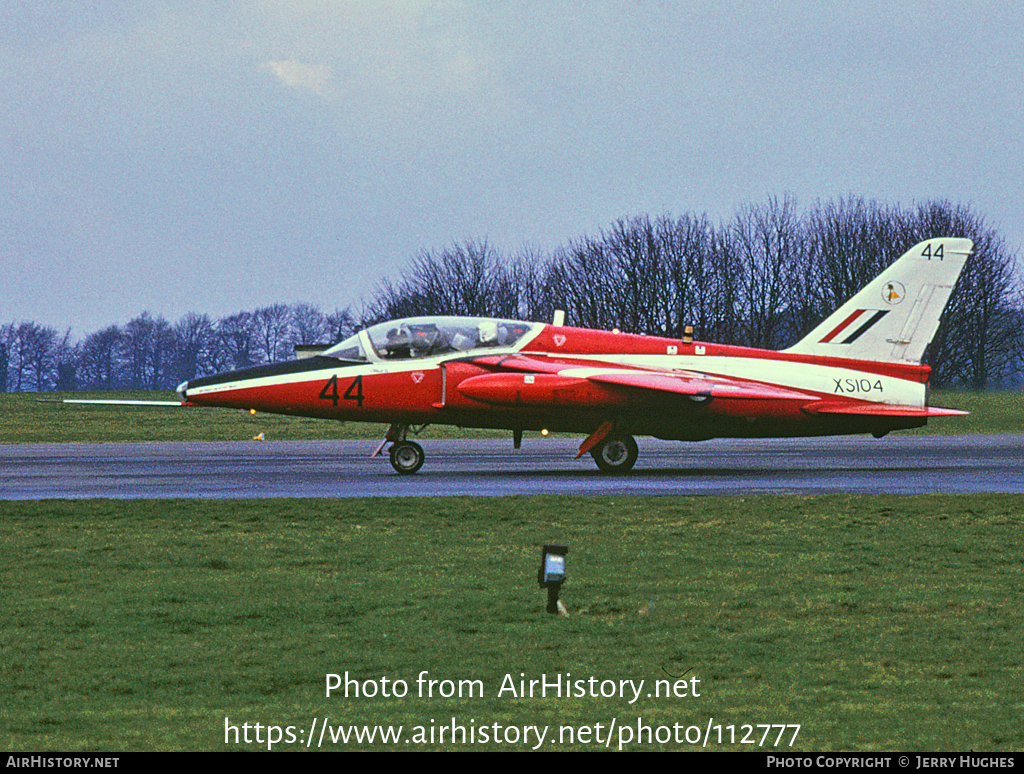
[(418, 337)]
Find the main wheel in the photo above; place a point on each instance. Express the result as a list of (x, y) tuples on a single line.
[(407, 457), (616, 455)]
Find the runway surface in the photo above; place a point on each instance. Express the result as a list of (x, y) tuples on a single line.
[(895, 465)]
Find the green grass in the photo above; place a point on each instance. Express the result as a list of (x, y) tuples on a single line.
[(877, 623), (38, 418), (874, 623), (991, 413), (25, 419)]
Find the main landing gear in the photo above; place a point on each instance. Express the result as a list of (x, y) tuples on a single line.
[(406, 456), (615, 455), (612, 450)]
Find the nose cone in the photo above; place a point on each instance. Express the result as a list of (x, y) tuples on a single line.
[(181, 390)]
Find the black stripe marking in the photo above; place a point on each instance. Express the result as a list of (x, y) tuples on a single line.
[(274, 369), (864, 328)]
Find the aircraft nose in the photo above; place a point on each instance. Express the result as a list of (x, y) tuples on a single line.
[(181, 390)]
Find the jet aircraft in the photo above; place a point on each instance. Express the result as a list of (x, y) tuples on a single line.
[(859, 371)]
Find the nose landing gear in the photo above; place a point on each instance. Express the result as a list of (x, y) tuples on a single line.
[(406, 456)]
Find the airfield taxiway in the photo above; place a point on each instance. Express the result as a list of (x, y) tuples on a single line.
[(895, 465)]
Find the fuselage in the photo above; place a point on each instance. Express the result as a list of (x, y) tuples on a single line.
[(538, 377)]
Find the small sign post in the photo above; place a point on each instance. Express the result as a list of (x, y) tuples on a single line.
[(551, 575)]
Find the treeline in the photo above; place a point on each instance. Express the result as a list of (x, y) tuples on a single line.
[(149, 353), (762, 279)]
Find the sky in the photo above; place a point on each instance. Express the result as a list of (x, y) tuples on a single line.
[(182, 156)]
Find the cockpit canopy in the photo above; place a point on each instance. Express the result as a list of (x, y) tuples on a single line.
[(418, 337)]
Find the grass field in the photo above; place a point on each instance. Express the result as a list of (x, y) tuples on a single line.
[(34, 418), (38, 418), (875, 623)]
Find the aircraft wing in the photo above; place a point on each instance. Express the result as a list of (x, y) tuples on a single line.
[(679, 382), (541, 375), (114, 402), (542, 379), (688, 383)]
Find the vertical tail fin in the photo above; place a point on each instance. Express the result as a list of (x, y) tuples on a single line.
[(894, 317)]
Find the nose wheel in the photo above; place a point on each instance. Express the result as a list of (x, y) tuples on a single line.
[(406, 457)]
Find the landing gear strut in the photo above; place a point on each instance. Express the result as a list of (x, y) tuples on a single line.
[(406, 456)]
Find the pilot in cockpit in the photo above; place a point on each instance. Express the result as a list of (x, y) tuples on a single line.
[(398, 344), (487, 333)]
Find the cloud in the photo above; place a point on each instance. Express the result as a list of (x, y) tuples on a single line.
[(304, 77)]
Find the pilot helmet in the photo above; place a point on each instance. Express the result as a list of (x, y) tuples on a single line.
[(487, 331)]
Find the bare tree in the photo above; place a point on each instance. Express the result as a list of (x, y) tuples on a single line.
[(195, 344), (147, 346), (35, 350), (307, 325), (98, 363), (522, 285), (648, 277), (67, 364), (236, 334), (768, 243), (6, 337), (849, 242), (461, 280), (270, 327), (706, 278), (340, 325), (581, 282)]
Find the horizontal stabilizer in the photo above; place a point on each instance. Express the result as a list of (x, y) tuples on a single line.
[(881, 410)]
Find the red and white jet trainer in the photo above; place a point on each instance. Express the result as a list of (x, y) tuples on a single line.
[(859, 371)]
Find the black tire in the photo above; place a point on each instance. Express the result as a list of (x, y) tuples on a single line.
[(616, 455), (407, 457)]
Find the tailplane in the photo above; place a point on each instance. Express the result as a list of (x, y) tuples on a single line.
[(895, 316)]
